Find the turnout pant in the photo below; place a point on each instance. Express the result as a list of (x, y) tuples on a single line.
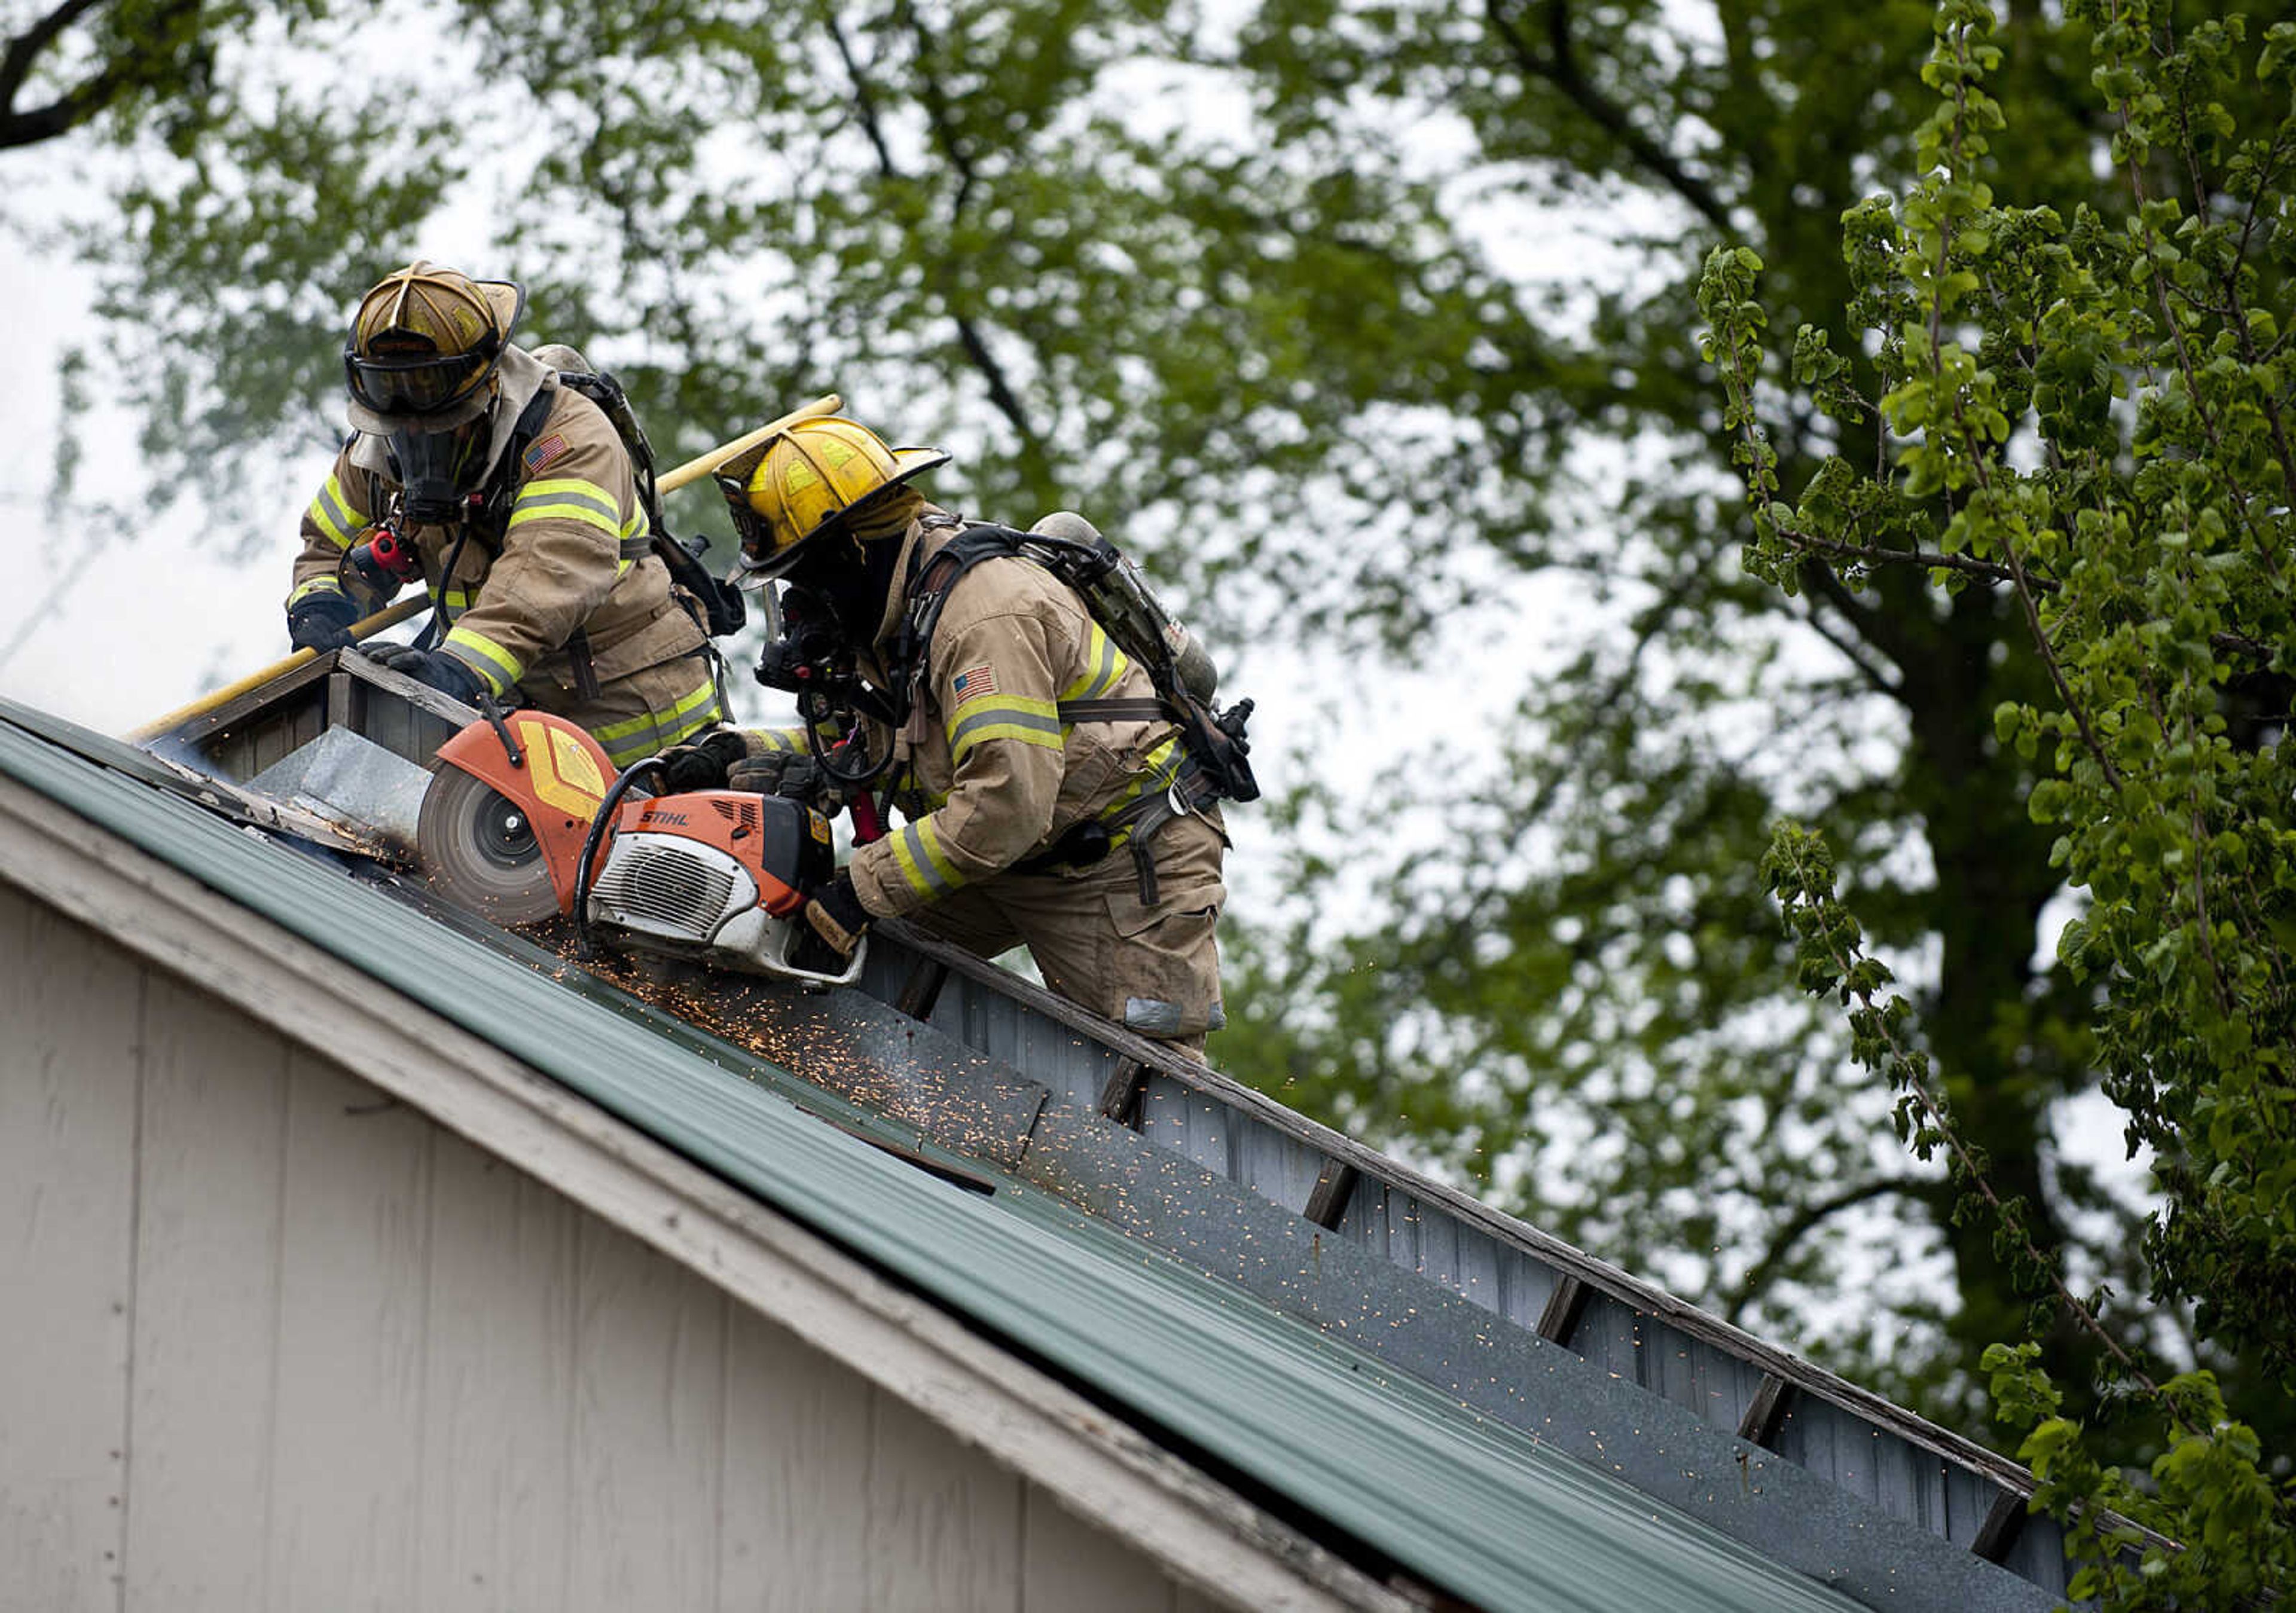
[(1152, 968)]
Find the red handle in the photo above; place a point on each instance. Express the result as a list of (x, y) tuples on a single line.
[(395, 554)]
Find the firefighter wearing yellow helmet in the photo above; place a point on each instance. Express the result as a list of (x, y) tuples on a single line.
[(1019, 823), (511, 500)]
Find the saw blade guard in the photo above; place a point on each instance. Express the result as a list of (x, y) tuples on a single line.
[(553, 778)]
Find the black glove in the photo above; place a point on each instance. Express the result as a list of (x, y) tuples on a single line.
[(705, 763), (835, 912), (321, 622), (433, 668), (384, 653), (786, 773)]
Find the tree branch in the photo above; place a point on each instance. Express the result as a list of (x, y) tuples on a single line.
[(1002, 393), (1559, 66), (143, 59), (25, 48), (1766, 1268), (74, 106)]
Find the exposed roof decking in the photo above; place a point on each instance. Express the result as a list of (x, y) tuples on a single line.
[(1855, 1441)]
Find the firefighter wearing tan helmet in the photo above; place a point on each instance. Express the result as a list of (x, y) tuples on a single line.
[(1031, 818), (511, 499)]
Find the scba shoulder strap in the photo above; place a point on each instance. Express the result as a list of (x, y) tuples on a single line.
[(1215, 745), (722, 609), (928, 593)]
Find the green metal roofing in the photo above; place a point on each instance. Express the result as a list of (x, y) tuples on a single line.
[(1475, 1507)]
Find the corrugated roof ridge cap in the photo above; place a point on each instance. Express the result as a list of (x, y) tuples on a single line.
[(1635, 1292)]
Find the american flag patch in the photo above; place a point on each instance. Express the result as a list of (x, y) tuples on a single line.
[(974, 682), (549, 448)]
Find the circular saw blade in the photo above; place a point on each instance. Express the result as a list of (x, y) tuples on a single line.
[(479, 851)]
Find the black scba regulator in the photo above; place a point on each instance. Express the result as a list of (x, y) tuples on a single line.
[(808, 653), (805, 655)]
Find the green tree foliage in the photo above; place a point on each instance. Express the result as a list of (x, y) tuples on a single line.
[(2085, 414), (1366, 323)]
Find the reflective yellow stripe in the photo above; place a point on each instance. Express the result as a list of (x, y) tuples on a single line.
[(707, 694), (658, 739), (1003, 717), (497, 666), (637, 540), (1164, 763), (923, 863), (633, 739), (317, 584), (335, 515), (568, 499), (1106, 666)]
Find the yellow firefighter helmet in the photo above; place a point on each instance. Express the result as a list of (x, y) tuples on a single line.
[(423, 346), (804, 479)]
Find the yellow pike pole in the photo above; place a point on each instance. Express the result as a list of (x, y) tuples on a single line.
[(390, 616)]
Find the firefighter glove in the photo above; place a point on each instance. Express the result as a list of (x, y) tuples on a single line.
[(703, 764), (435, 669), (321, 621), (781, 772), (386, 653), (836, 914)]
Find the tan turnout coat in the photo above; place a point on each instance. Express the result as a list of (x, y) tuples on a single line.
[(573, 557), (990, 777)]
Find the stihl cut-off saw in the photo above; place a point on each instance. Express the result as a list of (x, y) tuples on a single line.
[(525, 819)]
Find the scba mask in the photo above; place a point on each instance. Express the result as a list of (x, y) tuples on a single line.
[(436, 469), (803, 649)]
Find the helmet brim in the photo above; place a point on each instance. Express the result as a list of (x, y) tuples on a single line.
[(506, 300), (461, 413)]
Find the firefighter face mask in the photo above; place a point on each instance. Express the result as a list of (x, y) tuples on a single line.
[(437, 468)]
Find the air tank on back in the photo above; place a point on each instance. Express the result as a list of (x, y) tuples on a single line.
[(1128, 610)]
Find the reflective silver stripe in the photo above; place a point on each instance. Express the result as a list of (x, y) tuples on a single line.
[(1003, 721), (588, 494), (495, 665), (1112, 666), (917, 849), (701, 698), (332, 514), (568, 498)]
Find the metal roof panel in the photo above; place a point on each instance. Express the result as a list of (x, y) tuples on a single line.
[(1465, 1502)]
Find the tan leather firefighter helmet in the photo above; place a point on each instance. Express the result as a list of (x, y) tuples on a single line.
[(423, 346), (804, 479)]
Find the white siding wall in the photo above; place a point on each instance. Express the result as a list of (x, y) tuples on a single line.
[(269, 1340)]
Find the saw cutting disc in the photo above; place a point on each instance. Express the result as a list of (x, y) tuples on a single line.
[(479, 851)]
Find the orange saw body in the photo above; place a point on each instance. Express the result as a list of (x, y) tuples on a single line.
[(714, 876)]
